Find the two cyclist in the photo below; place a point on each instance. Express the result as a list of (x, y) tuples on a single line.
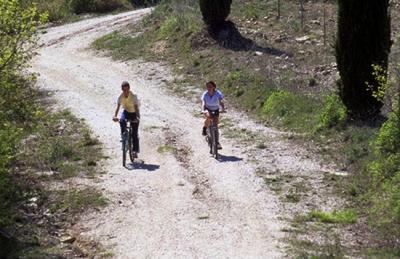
[(211, 100), (130, 104)]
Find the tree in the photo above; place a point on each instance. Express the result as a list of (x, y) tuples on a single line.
[(18, 30), (363, 42), (215, 11)]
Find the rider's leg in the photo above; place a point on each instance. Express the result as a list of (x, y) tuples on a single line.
[(135, 128), (206, 123), (122, 122)]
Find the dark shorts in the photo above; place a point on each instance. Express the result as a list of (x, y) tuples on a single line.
[(213, 113), (128, 116)]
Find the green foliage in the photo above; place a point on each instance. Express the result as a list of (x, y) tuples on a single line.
[(78, 200), (215, 12), (66, 10), (251, 12), (363, 40), (340, 217), (98, 6), (383, 84), (333, 112), (388, 140), (139, 3), (168, 27), (18, 30), (295, 111), (57, 10), (17, 107), (385, 172)]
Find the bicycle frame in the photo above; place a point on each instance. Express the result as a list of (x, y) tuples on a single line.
[(127, 141), (212, 135)]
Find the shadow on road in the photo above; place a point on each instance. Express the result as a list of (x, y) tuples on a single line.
[(142, 166), (223, 158)]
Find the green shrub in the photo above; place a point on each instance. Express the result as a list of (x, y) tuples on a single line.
[(295, 111), (385, 173), (139, 3), (385, 213), (333, 113), (168, 27), (57, 10), (251, 12), (98, 6), (388, 140), (341, 217)]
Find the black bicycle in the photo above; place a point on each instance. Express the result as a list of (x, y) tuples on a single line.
[(212, 136), (128, 142)]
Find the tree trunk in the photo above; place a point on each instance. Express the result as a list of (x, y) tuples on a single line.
[(363, 40)]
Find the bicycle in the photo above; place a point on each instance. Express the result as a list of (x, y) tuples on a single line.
[(127, 141), (212, 136)]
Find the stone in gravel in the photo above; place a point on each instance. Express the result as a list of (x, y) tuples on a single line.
[(302, 39), (67, 239), (195, 190), (203, 216)]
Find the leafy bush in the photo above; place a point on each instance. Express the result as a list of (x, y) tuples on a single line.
[(17, 107), (385, 172), (139, 3), (333, 113), (296, 111), (168, 26), (57, 10), (343, 217), (98, 6)]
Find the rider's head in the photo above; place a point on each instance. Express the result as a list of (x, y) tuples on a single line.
[(211, 86), (125, 88)]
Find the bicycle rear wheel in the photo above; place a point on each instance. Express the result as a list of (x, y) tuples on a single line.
[(130, 146), (124, 147)]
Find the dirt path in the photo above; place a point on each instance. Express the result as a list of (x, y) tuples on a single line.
[(182, 205)]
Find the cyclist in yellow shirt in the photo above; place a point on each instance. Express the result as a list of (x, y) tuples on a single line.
[(130, 105)]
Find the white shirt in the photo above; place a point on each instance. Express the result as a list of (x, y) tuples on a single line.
[(212, 102)]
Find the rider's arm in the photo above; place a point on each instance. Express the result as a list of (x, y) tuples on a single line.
[(221, 102), (116, 111), (203, 106), (137, 111)]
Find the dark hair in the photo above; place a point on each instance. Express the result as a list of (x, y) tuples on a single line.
[(211, 83), (125, 83)]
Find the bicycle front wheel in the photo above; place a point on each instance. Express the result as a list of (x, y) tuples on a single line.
[(130, 146), (124, 146), (214, 143)]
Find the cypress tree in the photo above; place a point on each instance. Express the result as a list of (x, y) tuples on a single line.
[(215, 11), (363, 40)]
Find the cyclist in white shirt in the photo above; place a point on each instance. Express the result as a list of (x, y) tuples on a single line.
[(212, 100)]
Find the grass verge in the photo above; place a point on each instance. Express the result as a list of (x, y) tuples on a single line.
[(41, 203)]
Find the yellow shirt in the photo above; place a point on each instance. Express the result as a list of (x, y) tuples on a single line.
[(128, 103)]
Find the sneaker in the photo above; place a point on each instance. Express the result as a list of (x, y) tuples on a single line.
[(134, 155), (204, 132), (219, 146)]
